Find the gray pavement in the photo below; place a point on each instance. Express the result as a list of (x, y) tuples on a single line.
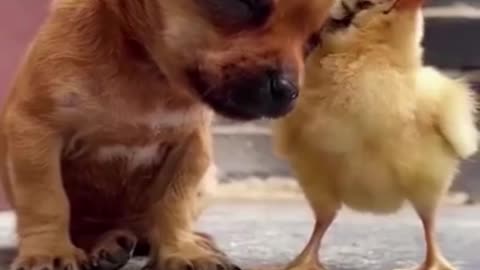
[(265, 234), (272, 233)]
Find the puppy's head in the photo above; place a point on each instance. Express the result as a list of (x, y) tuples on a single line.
[(244, 58)]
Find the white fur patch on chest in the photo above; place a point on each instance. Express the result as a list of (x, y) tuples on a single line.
[(162, 118), (136, 156), (98, 116)]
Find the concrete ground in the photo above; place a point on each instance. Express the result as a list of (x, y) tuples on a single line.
[(269, 233)]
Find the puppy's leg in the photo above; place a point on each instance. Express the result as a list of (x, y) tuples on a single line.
[(175, 245), (41, 204), (206, 191)]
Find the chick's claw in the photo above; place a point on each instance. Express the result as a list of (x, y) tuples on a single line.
[(440, 264)]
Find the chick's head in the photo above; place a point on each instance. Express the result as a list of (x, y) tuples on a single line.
[(394, 23)]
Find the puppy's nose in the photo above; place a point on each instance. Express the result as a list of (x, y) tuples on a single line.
[(282, 89), (270, 94)]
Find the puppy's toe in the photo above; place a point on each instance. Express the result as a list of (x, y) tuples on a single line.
[(45, 263), (204, 263), (206, 241), (199, 253)]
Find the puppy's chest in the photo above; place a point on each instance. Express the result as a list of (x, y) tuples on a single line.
[(123, 147), (113, 178), (114, 167), (123, 131)]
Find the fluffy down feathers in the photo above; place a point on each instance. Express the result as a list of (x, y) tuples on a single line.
[(456, 110)]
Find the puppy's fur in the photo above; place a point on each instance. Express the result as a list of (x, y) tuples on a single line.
[(374, 128), (105, 135)]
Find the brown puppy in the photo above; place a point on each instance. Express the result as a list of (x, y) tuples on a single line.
[(105, 135)]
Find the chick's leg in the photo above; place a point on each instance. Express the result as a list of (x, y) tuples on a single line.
[(308, 258), (320, 194), (426, 205), (425, 194), (434, 259)]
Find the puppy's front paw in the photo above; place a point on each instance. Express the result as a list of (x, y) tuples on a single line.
[(68, 258), (197, 252)]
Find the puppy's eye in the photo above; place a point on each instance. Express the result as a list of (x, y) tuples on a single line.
[(238, 14), (312, 43), (364, 4)]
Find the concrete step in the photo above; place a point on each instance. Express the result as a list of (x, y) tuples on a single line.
[(245, 153), (441, 3)]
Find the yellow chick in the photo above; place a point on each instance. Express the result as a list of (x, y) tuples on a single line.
[(373, 128)]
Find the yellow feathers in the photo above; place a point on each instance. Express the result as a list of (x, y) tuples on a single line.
[(456, 108)]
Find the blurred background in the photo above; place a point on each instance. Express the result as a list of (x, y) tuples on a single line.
[(243, 151)]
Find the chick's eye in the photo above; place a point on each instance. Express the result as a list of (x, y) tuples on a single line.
[(312, 42), (238, 13), (362, 5)]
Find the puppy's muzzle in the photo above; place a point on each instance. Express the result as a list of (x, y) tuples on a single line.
[(271, 94), (246, 94)]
